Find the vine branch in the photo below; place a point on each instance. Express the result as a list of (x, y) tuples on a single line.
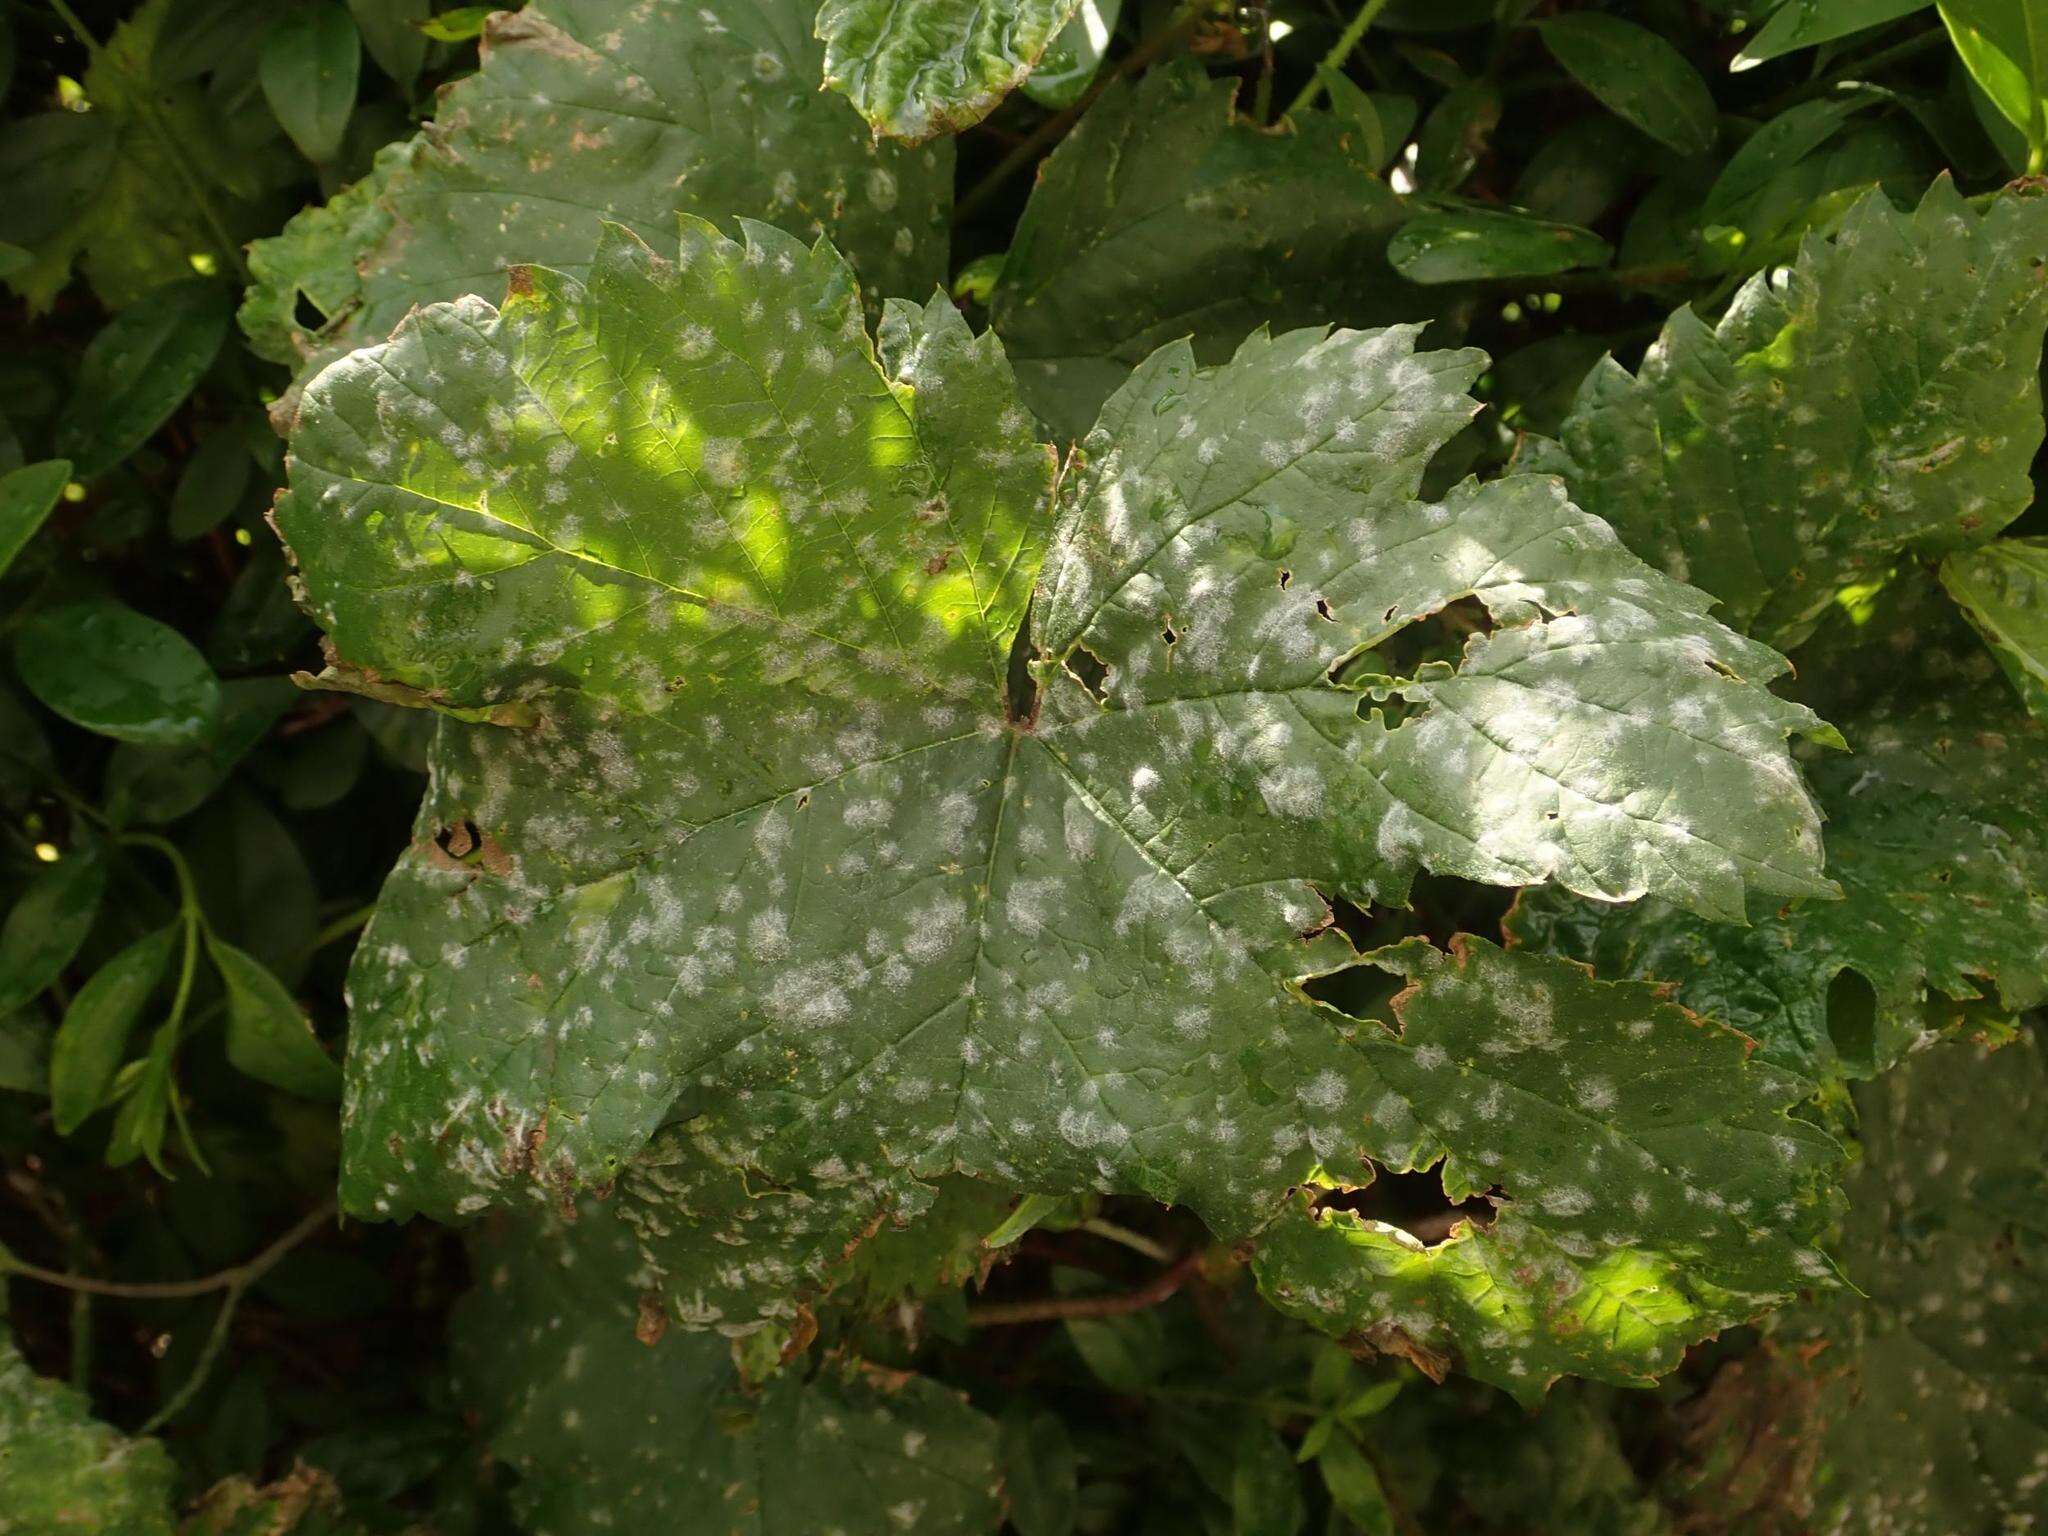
[(1001, 1314)]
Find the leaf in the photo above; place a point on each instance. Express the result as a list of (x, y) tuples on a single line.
[(311, 57), (63, 1470), (1163, 213), (138, 370), (103, 666), (458, 24), (546, 1352), (24, 1054), (2004, 44), (1479, 243), (1637, 76), (650, 110), (268, 1036), (919, 68), (392, 35), (1381, 118), (2002, 588), (1265, 1494), (1038, 1473), (143, 1102), (1798, 24), (94, 1035), (212, 484), (1773, 149), (47, 923), (1882, 398), (1455, 134), (1936, 834), (1354, 1486), (1070, 62), (804, 851), (27, 496)]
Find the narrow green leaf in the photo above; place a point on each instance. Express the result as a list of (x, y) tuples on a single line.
[(1774, 148), (27, 496), (919, 68), (103, 666), (1474, 243), (212, 484), (1354, 1486), (311, 57), (94, 1035), (2003, 591), (2004, 43), (1069, 64), (142, 1112), (138, 370), (1798, 24), (1265, 1492), (48, 922), (1636, 75), (457, 24), (1039, 1473), (269, 1038)]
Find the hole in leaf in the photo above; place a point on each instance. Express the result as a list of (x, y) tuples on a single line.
[(803, 800), (460, 841), (1286, 578), (1852, 1018), (1020, 688), (307, 315), (1323, 608), (1439, 636), (1089, 670), (1168, 633), (1415, 1202)]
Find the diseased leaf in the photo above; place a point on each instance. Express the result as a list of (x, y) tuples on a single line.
[(1637, 75), (63, 1471), (47, 923), (918, 68), (546, 1351), (311, 58), (27, 496), (1936, 831), (580, 114), (1473, 243), (103, 666), (1883, 397), (2002, 589), (795, 854), (1161, 214), (94, 1035), (138, 370)]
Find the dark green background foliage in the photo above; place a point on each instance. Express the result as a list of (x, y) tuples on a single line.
[(1076, 766)]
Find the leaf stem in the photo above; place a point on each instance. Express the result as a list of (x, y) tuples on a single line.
[(999, 1314), (1137, 1242), (1340, 50), (341, 927)]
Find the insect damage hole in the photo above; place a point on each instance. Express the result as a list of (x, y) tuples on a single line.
[(1089, 670), (1414, 1201)]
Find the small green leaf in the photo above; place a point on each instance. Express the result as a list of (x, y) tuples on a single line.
[(1636, 75), (27, 496), (215, 479), (1038, 1473), (1455, 135), (1798, 24), (103, 666), (96, 1027), (1472, 243), (144, 1104), (2003, 590), (24, 1053), (47, 924), (393, 36), (1381, 118), (1265, 1492), (138, 370), (919, 68), (13, 258), (1370, 1401), (458, 24), (1069, 64), (1773, 149), (1354, 1486), (1031, 1211), (311, 58), (2004, 43), (268, 1036)]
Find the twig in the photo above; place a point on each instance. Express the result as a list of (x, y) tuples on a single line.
[(998, 1314), (1340, 50), (1036, 142), (238, 1278), (1137, 1242)]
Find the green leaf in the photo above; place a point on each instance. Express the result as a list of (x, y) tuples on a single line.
[(103, 666), (1069, 64), (803, 844), (2002, 589), (919, 68), (1038, 1473), (268, 1036), (311, 57), (392, 35), (143, 1095), (94, 1035), (27, 496), (212, 484), (1925, 822), (458, 24), (138, 370), (24, 1054), (1477, 243), (1265, 1493), (62, 1470), (545, 1351), (47, 923), (650, 110), (1637, 76), (2004, 44), (1354, 1486), (1880, 396), (1798, 24), (1455, 134), (1161, 213), (1381, 118), (1772, 150)]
